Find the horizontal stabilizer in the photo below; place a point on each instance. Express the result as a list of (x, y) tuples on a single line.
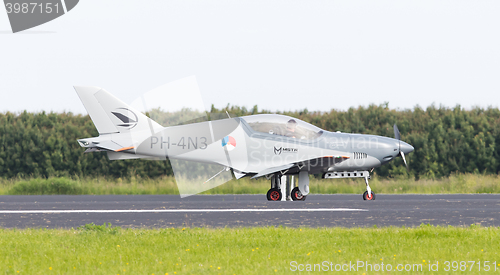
[(121, 155), (109, 145)]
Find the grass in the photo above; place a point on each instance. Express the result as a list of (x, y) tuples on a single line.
[(107, 250), (458, 183)]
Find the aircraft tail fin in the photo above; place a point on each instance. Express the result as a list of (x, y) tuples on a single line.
[(111, 115)]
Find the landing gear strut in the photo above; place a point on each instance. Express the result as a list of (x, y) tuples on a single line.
[(368, 195)]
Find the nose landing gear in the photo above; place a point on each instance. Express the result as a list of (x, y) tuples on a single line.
[(368, 195), (368, 198)]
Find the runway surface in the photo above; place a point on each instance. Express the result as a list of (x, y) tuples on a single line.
[(248, 210)]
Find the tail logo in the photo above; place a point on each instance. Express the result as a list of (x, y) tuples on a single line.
[(229, 143), (128, 118)]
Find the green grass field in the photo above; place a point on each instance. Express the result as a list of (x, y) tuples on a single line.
[(259, 250), (268, 250), (460, 183)]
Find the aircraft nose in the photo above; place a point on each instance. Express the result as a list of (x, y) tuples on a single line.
[(405, 147)]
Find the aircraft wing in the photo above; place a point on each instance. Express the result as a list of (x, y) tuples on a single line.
[(332, 160), (273, 170)]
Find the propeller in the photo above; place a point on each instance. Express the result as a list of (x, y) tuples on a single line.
[(397, 135)]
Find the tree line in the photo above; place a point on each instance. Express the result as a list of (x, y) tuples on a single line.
[(446, 141)]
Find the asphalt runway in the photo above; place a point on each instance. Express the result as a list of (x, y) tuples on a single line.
[(248, 210)]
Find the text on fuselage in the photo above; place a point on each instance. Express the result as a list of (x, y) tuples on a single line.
[(182, 142)]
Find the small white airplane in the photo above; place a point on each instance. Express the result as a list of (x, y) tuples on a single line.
[(268, 145)]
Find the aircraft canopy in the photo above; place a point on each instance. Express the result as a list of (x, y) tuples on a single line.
[(283, 126)]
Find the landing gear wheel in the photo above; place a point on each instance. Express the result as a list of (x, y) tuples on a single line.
[(274, 194), (366, 198), (297, 196)]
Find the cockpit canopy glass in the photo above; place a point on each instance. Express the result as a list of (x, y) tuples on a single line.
[(283, 126)]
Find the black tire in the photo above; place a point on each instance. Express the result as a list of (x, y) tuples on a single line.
[(297, 196), (366, 198), (274, 194)]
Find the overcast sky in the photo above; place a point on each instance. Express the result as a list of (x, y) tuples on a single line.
[(279, 55)]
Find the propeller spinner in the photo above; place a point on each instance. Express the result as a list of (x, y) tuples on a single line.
[(403, 146)]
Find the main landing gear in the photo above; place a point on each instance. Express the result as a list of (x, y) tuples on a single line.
[(274, 194), (280, 188), (297, 195), (368, 195)]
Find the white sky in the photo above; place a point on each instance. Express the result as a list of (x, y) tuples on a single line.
[(279, 55)]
